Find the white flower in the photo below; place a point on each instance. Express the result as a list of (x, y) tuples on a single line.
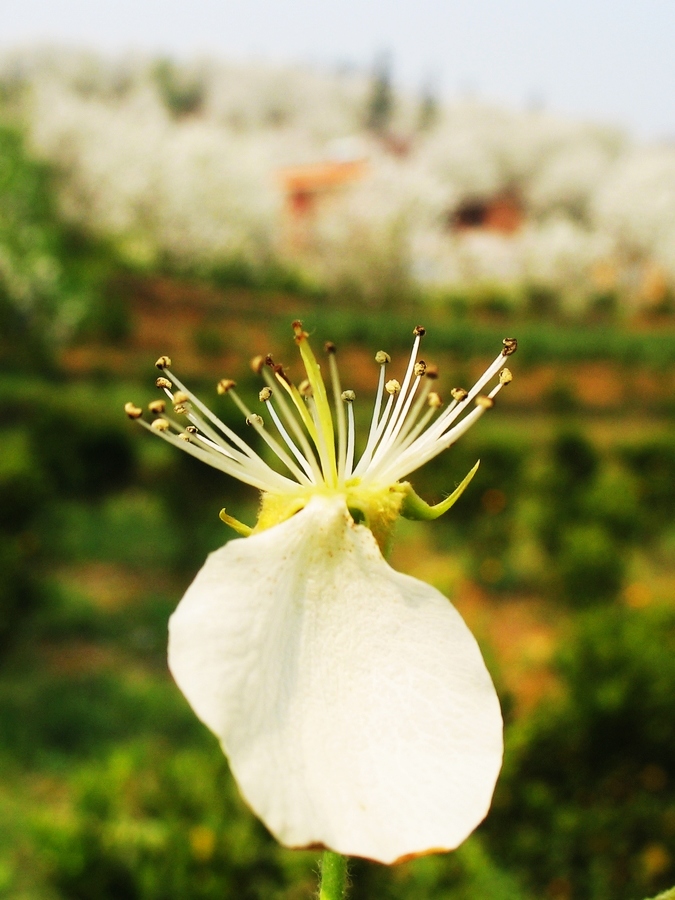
[(352, 701)]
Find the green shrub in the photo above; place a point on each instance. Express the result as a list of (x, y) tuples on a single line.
[(586, 805)]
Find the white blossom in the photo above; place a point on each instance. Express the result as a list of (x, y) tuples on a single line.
[(352, 701)]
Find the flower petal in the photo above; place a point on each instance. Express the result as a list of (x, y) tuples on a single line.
[(352, 701)]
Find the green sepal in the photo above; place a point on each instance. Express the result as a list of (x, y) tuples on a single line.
[(235, 524), (415, 508)]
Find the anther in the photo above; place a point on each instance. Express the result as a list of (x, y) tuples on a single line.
[(434, 400), (181, 408), (163, 383), (393, 386), (381, 358), (485, 402), (184, 436), (330, 347), (510, 346), (224, 385), (277, 369), (300, 335), (419, 331), (157, 407), (257, 364), (420, 368), (265, 394), (459, 394), (505, 376), (163, 362), (254, 420), (160, 425), (133, 411), (348, 396), (432, 371), (191, 429), (305, 388), (180, 397)]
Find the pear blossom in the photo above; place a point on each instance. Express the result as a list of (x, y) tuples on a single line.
[(351, 700)]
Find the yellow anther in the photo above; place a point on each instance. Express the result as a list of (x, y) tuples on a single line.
[(254, 420), (257, 364), (419, 331), (459, 394), (432, 371), (225, 384), (181, 408), (392, 387), (191, 429), (265, 394), (157, 407), (133, 411), (184, 436), (435, 401), (505, 376), (510, 346), (348, 396), (160, 425), (420, 368), (381, 358), (485, 402), (305, 388), (180, 397), (163, 383), (163, 362)]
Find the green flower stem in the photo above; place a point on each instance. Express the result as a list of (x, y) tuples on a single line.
[(333, 885)]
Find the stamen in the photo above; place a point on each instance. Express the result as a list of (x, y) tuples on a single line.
[(231, 435), (309, 476), (217, 461), (349, 397), (419, 331), (381, 358), (292, 422), (402, 436), (251, 419), (331, 350), (324, 418)]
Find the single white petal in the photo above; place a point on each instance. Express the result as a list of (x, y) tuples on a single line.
[(352, 701)]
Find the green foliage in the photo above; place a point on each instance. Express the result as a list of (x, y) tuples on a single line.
[(586, 805), (652, 463), (52, 278), (583, 523)]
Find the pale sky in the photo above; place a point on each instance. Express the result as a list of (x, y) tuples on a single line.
[(608, 60)]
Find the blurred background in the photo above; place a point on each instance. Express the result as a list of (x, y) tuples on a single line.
[(188, 181)]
